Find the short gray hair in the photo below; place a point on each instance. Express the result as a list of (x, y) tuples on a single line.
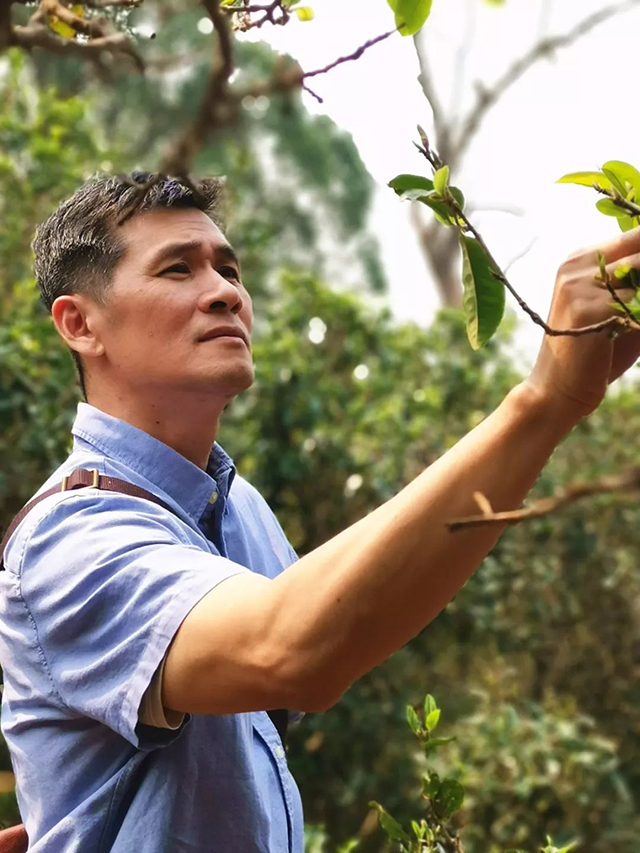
[(78, 247)]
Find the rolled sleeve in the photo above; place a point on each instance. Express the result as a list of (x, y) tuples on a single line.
[(108, 580)]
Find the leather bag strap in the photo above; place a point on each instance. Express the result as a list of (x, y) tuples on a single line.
[(80, 478)]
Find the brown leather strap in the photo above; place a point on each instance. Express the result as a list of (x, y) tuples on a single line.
[(14, 839), (81, 478)]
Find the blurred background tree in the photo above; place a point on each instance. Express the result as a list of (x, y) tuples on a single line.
[(537, 661)]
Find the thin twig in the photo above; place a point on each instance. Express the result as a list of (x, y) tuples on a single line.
[(628, 482), (352, 56), (631, 207)]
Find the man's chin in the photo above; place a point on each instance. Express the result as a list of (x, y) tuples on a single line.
[(232, 383)]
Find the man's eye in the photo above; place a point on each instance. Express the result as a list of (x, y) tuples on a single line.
[(177, 268), (229, 272)]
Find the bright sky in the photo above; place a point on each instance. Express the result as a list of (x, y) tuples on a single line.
[(567, 114)]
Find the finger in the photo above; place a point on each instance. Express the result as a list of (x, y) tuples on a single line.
[(626, 243), (626, 352)]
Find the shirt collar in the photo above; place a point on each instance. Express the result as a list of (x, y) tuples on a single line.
[(188, 485)]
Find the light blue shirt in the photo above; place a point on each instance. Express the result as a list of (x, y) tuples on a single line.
[(95, 587)]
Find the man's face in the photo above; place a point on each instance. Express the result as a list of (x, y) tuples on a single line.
[(178, 282)]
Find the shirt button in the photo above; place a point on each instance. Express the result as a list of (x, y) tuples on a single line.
[(279, 752), (213, 498)]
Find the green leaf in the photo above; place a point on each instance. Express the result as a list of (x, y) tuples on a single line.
[(622, 271), (623, 173), (429, 705), (626, 223), (305, 13), (441, 180), (435, 743), (610, 208), (431, 786), (551, 848), (617, 185), (389, 824), (63, 29), (405, 183), (586, 179), (442, 212), (458, 196), (450, 798), (483, 300), (432, 719), (412, 719), (349, 846), (419, 188), (410, 14)]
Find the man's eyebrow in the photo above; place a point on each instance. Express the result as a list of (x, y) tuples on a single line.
[(171, 250)]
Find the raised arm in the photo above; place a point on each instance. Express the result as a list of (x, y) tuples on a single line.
[(300, 640)]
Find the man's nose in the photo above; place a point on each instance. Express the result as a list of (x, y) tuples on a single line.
[(219, 295)]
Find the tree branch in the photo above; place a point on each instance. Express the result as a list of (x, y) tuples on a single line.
[(428, 90), (627, 482), (350, 57), (96, 36), (487, 98), (272, 13), (631, 207)]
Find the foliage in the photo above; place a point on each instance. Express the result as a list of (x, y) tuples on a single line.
[(442, 798), (49, 147), (483, 281)]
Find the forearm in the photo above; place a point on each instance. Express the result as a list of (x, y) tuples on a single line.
[(352, 602)]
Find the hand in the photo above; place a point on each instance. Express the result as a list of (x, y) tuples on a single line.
[(573, 372)]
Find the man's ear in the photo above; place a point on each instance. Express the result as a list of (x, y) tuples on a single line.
[(73, 317)]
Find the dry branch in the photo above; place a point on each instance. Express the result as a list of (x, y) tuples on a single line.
[(95, 37), (628, 482), (546, 47)]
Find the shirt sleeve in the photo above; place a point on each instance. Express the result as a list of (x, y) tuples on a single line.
[(108, 580), (152, 711)]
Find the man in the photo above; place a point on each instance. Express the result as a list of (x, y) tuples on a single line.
[(143, 643)]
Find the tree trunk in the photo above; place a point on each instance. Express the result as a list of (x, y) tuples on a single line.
[(441, 252)]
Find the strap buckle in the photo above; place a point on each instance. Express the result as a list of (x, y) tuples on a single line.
[(95, 475)]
